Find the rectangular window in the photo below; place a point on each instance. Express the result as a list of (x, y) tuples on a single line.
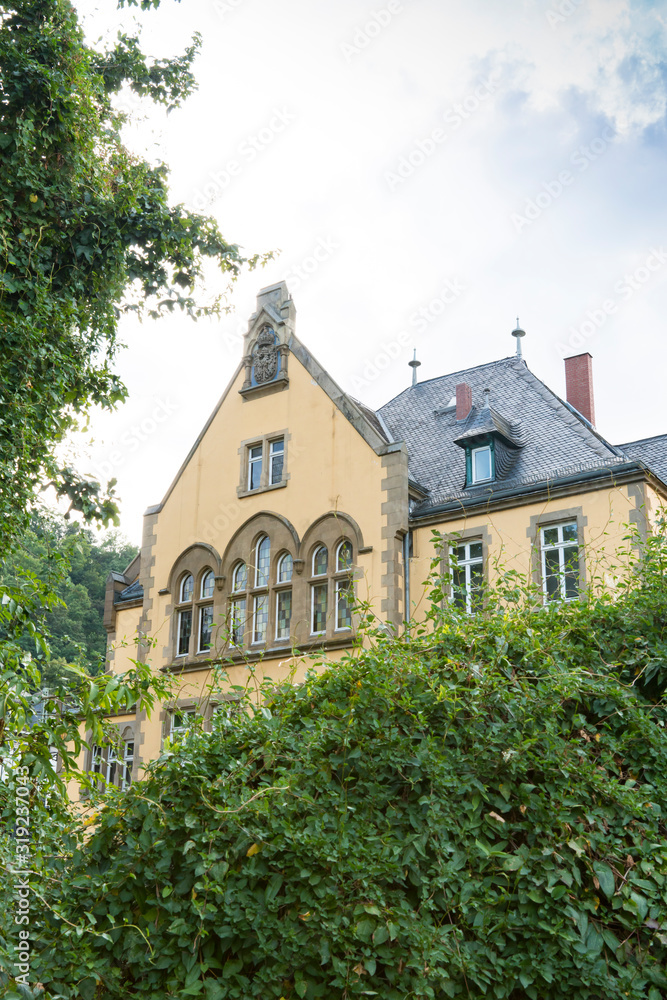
[(482, 464), (318, 608), (344, 602), (112, 764), (184, 631), (205, 628), (181, 722), (96, 759), (128, 762), (283, 614), (237, 623), (255, 467), (260, 618), (276, 461), (560, 562), (467, 575)]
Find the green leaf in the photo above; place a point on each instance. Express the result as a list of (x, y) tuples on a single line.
[(605, 878)]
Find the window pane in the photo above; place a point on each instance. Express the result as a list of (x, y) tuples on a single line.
[(277, 451), (128, 761), (459, 587), (460, 553), (319, 599), (187, 588), (96, 762), (207, 584), (184, 631), (475, 550), (344, 556), (475, 601), (261, 618), (570, 533), (320, 561), (205, 627), (283, 614), (285, 569), (551, 536), (552, 576), (481, 464), (344, 601), (571, 565), (112, 764), (237, 623), (240, 577), (255, 467), (263, 558)]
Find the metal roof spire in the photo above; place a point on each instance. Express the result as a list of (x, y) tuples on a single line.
[(518, 333), (414, 364)]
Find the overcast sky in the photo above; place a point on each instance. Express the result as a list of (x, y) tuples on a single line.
[(430, 169)]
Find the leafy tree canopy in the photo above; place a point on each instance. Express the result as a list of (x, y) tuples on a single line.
[(477, 809), (86, 232), (76, 564)]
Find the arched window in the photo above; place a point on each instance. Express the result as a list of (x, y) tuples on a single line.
[(260, 608), (239, 577), (205, 634), (207, 584), (344, 557), (285, 568), (284, 597), (262, 561), (320, 560), (238, 604), (185, 592), (344, 586)]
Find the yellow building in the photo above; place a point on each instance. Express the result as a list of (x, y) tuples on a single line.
[(295, 497)]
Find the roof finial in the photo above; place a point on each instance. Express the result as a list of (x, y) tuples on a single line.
[(518, 333), (414, 364)]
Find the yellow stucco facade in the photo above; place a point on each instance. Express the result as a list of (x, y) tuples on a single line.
[(292, 493)]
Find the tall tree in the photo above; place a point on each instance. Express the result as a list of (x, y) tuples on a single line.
[(86, 233)]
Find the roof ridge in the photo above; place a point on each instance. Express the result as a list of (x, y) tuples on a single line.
[(645, 440), (437, 378), (579, 422)]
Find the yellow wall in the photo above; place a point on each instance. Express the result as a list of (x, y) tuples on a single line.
[(607, 513)]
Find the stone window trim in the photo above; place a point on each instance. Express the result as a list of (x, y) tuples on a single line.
[(264, 441), (453, 538), (197, 560), (551, 519), (119, 755), (329, 529)]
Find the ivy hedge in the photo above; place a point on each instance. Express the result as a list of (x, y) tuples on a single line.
[(476, 809)]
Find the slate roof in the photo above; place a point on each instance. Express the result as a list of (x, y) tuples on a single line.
[(558, 441), (131, 593), (652, 452)]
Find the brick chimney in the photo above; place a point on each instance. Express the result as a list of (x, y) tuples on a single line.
[(579, 385), (463, 400)]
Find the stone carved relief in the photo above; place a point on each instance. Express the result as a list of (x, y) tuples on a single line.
[(265, 357)]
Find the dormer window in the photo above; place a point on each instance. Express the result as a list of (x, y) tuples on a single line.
[(481, 461)]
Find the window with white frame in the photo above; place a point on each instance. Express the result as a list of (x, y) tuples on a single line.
[(265, 464), (284, 596), (260, 617), (481, 460), (205, 637), (180, 721), (560, 561), (113, 763), (319, 592), (128, 764), (276, 460), (262, 561), (467, 575), (186, 590), (255, 467), (238, 604), (343, 585)]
